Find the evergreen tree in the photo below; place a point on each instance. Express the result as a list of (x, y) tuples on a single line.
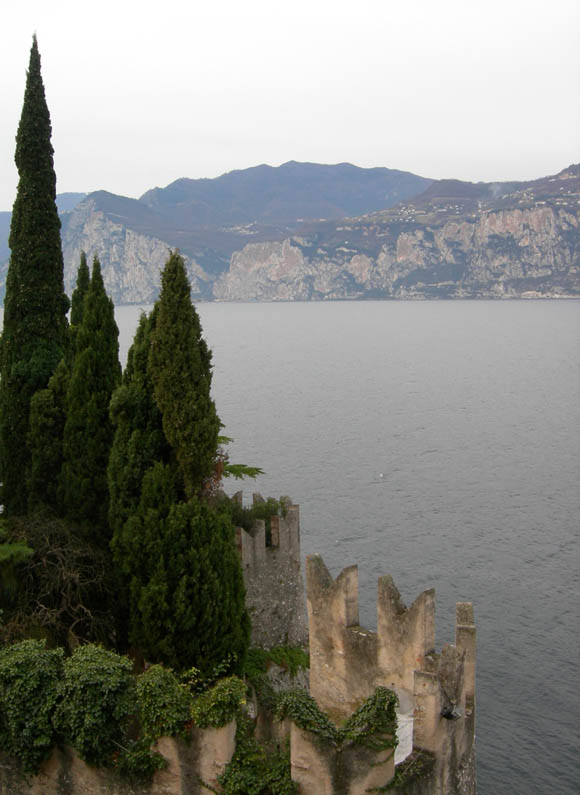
[(88, 431), (185, 580), (35, 335), (180, 369), (78, 300), (139, 440), (47, 421), (177, 556)]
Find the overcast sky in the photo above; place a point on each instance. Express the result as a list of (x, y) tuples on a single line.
[(142, 93)]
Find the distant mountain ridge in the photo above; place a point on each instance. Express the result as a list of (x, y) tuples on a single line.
[(454, 240), (284, 194), (305, 231)]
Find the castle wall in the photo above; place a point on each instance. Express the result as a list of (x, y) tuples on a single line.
[(201, 759), (343, 655), (321, 769), (347, 663), (273, 580)]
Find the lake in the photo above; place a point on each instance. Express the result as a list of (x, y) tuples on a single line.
[(438, 442)]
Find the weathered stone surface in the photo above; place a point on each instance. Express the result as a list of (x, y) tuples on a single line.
[(273, 580), (131, 262), (202, 759), (321, 769), (509, 253), (347, 662)]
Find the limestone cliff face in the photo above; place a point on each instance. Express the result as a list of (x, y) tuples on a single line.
[(406, 253), (131, 262), (454, 240), (264, 272)]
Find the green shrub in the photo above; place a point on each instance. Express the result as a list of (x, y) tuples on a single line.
[(137, 762), (164, 703), (98, 695), (218, 706), (254, 770), (29, 685), (291, 658), (246, 517)]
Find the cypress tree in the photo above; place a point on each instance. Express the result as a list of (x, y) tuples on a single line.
[(180, 369), (35, 335), (47, 420), (80, 291), (177, 556), (139, 440), (88, 432), (185, 580)]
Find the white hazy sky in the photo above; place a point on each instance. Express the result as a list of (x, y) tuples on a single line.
[(141, 93)]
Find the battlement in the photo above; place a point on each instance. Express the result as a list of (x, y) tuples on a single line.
[(347, 662), (284, 537), (405, 635), (273, 577)]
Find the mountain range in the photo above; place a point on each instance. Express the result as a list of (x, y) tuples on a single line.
[(304, 231)]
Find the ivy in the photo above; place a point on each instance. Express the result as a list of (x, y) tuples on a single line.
[(373, 724), (137, 762), (164, 703), (416, 766), (300, 707), (29, 680), (291, 658), (220, 705), (98, 695), (255, 769), (197, 681)]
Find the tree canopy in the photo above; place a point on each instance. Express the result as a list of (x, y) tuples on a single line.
[(176, 552), (180, 370), (88, 432), (35, 334)]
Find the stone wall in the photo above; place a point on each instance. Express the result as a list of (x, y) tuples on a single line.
[(321, 769), (273, 580), (347, 662), (202, 759)]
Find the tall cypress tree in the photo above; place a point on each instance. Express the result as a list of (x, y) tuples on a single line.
[(185, 580), (139, 441), (47, 420), (88, 433), (81, 289), (177, 554), (35, 336), (180, 368)]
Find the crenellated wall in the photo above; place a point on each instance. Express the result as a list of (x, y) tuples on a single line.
[(347, 663), (273, 579), (436, 690)]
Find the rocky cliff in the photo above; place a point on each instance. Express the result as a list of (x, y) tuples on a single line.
[(452, 240), (209, 220), (131, 260), (456, 240)]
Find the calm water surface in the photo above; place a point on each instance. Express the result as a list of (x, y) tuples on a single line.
[(471, 412)]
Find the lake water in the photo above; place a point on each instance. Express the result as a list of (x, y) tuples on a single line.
[(471, 413), (438, 442)]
